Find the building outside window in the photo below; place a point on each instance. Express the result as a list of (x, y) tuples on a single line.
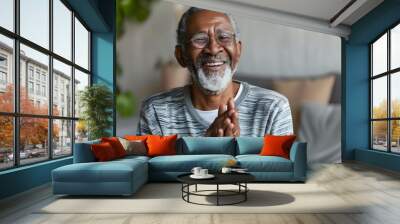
[(58, 133), (385, 91)]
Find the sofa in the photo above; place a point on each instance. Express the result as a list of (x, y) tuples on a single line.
[(126, 175)]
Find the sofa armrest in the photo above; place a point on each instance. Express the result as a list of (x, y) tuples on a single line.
[(83, 152), (298, 155)]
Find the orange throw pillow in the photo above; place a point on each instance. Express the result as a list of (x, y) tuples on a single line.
[(161, 145), (103, 151), (277, 145), (116, 145), (136, 137)]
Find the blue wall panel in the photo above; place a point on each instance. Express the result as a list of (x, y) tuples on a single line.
[(356, 86), (24, 178)]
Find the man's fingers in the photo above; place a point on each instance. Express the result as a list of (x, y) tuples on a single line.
[(220, 132), (231, 104), (221, 109)]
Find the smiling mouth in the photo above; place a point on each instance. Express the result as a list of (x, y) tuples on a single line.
[(214, 65)]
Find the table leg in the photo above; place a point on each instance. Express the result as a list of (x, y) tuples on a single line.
[(217, 194), (245, 193)]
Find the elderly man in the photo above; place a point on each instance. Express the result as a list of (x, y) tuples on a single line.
[(214, 104)]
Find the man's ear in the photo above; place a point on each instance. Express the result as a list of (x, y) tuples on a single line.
[(239, 49), (238, 53), (179, 56)]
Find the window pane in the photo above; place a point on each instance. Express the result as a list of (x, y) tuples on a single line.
[(34, 72), (395, 129), (379, 55), (62, 89), (379, 135), (35, 21), (6, 142), (81, 45), (62, 29), (395, 47), (33, 139), (395, 94), (7, 14), (81, 131), (62, 138), (81, 81), (6, 74), (379, 98)]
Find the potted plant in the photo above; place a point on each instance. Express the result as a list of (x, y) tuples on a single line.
[(96, 102)]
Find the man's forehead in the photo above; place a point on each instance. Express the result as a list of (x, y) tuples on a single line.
[(204, 19)]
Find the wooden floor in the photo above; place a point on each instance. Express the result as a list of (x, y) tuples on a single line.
[(380, 189)]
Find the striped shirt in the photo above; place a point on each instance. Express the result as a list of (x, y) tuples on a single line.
[(261, 111)]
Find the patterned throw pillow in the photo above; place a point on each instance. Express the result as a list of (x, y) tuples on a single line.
[(134, 147)]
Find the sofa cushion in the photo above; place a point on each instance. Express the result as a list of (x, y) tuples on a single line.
[(185, 163), (249, 145), (83, 152), (111, 171), (277, 145), (257, 163), (207, 145), (116, 145), (161, 145), (103, 152)]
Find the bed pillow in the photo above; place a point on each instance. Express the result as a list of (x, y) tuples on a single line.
[(299, 91)]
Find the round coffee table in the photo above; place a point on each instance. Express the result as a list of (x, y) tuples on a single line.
[(238, 179)]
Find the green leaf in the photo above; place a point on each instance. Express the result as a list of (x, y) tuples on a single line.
[(125, 104)]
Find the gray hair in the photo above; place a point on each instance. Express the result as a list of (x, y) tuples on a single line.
[(181, 30)]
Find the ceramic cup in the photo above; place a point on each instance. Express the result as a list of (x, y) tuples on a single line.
[(203, 172), (226, 170), (196, 171)]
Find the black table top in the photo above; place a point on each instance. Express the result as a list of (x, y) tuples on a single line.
[(220, 178)]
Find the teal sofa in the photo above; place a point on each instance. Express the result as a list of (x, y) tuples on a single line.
[(125, 176)]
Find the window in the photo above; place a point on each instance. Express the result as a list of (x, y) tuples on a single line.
[(385, 94), (47, 74), (44, 91), (3, 78), (3, 72), (3, 61), (30, 72), (30, 87), (38, 89), (37, 74)]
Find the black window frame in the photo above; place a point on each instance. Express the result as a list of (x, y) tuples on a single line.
[(388, 74), (16, 115)]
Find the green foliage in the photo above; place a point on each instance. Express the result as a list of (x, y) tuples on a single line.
[(96, 103), (125, 104), (134, 10)]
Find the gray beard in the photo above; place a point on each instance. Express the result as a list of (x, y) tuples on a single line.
[(213, 84)]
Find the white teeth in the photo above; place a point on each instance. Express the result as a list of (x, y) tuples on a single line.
[(215, 64)]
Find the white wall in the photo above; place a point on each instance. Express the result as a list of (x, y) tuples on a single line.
[(268, 51)]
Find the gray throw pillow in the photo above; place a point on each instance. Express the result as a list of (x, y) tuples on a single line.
[(137, 147)]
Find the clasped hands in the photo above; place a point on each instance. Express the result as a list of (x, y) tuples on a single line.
[(226, 123)]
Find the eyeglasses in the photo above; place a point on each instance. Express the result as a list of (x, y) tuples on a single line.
[(201, 40)]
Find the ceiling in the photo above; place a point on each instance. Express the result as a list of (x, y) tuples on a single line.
[(321, 9), (333, 17)]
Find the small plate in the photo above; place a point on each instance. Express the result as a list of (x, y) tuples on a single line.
[(208, 176)]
